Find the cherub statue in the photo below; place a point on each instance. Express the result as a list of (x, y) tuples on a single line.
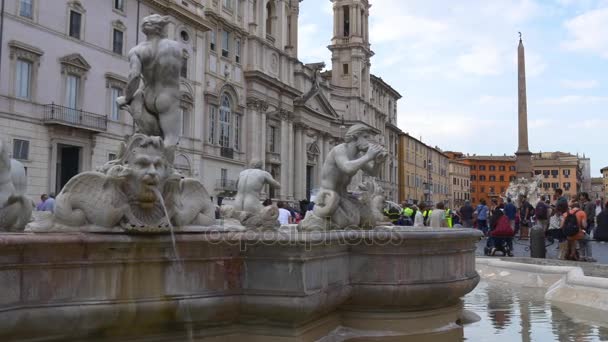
[(152, 94), (15, 206)]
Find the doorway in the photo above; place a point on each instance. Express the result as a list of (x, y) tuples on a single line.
[(68, 165)]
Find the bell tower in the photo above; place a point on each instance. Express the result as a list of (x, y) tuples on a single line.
[(350, 46)]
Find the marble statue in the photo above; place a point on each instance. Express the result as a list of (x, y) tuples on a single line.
[(334, 207), (247, 207), (524, 188), (15, 206), (249, 185), (372, 196), (139, 191), (152, 95)]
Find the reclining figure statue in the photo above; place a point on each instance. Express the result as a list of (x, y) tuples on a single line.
[(15, 206), (334, 207)]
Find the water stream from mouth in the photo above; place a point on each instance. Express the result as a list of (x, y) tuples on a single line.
[(180, 264)]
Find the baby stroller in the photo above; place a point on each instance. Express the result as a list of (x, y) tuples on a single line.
[(498, 245)]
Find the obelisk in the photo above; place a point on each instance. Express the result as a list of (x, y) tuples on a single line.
[(523, 159)]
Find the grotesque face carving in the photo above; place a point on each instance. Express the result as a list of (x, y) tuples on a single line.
[(149, 171)]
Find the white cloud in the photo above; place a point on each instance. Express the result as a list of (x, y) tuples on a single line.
[(573, 99), (579, 84), (589, 32), (481, 60)]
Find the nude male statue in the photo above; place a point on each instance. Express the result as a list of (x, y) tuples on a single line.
[(333, 202), (249, 186), (152, 94)]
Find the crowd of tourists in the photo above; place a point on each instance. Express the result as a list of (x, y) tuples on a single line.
[(572, 224)]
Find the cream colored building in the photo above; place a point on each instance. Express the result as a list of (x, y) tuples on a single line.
[(246, 96), (460, 187), (560, 170), (423, 172), (598, 191)]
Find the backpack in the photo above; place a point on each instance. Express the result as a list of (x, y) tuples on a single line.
[(571, 227), (541, 211)]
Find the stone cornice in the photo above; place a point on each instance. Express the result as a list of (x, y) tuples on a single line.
[(257, 105), (271, 82), (178, 11)]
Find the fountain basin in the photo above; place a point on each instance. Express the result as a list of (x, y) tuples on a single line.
[(78, 285)]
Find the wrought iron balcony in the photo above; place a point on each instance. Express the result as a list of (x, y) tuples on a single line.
[(227, 152), (56, 114), (225, 185)]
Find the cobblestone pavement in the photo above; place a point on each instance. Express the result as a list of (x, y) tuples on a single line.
[(522, 249)]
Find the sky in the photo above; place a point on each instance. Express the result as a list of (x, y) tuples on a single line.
[(455, 64)]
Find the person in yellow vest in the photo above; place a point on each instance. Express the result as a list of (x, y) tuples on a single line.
[(448, 217), (427, 214)]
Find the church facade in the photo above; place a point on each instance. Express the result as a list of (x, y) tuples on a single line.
[(245, 94)]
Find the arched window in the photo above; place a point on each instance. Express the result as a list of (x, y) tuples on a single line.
[(224, 120)]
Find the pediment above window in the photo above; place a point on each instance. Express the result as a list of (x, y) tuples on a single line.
[(74, 64), (77, 6), (24, 51)]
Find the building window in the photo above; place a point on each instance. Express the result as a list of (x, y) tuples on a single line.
[(185, 118), (511, 168), (237, 50), (269, 15), (482, 178), (212, 118), (473, 177), (212, 40), (492, 168), (75, 23), (482, 167), (111, 156), (473, 167), (272, 139), (502, 178), (119, 5), (26, 8), (512, 178), (224, 119), (482, 189), (227, 4), (237, 132), (72, 91), (183, 72), (225, 43), (114, 94), (23, 79), (501, 168), (117, 41), (21, 149), (346, 23), (491, 189), (224, 176), (492, 178), (344, 69)]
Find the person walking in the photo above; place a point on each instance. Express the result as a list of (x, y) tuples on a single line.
[(542, 213), (437, 217), (511, 212), (482, 211), (466, 214)]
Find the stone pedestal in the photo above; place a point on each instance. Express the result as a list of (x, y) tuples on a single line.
[(85, 285)]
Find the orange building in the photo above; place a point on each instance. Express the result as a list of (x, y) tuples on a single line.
[(490, 175)]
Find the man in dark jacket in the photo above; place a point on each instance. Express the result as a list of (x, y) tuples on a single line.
[(466, 214), (601, 231)]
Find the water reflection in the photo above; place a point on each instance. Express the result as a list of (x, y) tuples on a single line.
[(515, 314)]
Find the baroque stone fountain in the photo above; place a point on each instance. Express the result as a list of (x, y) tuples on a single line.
[(337, 270)]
